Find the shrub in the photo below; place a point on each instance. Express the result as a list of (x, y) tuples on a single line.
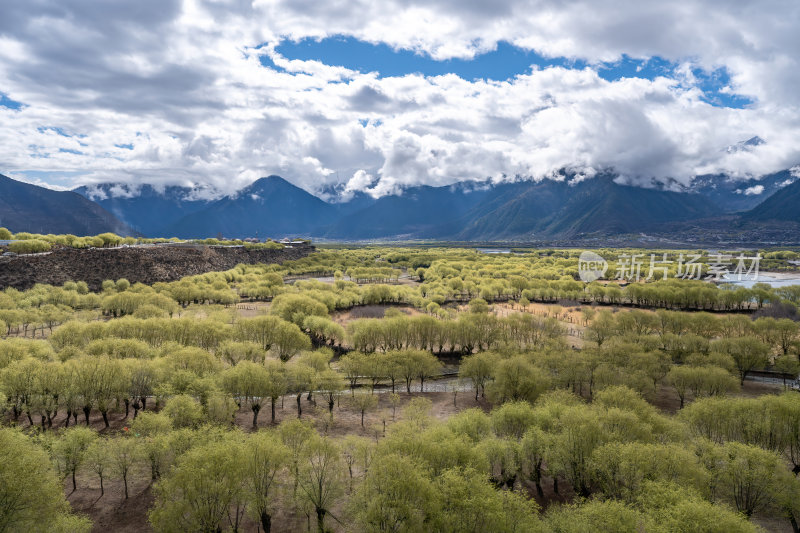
[(31, 246)]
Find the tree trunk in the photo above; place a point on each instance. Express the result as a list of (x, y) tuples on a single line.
[(144, 403), (362, 419), (66, 420), (74, 483), (105, 418), (321, 520), (86, 411), (273, 410), (299, 407), (793, 521), (127, 407), (75, 417), (266, 522), (102, 489), (125, 482), (256, 409), (555, 485)]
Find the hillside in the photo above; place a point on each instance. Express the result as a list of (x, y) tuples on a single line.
[(733, 196), (145, 208), (34, 209), (784, 205), (269, 207), (522, 211), (418, 212), (148, 264)]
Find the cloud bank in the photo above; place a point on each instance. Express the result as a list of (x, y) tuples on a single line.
[(193, 92)]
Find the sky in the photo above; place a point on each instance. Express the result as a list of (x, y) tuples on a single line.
[(376, 96)]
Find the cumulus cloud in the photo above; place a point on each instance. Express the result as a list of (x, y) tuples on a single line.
[(755, 190), (175, 91)]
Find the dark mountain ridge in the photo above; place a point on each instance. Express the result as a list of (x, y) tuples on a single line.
[(34, 209), (566, 208), (145, 208)]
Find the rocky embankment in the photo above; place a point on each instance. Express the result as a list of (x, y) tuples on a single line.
[(145, 264)]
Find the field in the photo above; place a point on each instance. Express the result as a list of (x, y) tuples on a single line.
[(402, 389)]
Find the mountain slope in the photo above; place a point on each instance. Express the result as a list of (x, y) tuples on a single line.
[(521, 210), (422, 211), (734, 196), (270, 207), (25, 207), (603, 207), (784, 206), (145, 208), (515, 210)]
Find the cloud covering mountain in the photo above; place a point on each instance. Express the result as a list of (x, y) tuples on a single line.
[(197, 92)]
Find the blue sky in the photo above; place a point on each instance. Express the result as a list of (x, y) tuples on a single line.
[(5, 101), (500, 64)]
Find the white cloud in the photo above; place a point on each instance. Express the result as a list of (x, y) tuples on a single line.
[(754, 191), (181, 81)]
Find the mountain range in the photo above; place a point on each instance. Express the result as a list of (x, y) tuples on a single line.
[(564, 208), (26, 207)]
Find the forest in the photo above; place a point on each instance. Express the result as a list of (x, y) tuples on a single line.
[(390, 388)]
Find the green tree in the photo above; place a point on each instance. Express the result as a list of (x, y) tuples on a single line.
[(320, 477), (184, 411), (468, 503), (296, 307), (31, 496), (200, 491), (748, 353), (295, 434), (750, 477), (517, 379), (533, 448), (330, 385), (265, 456), (249, 384), (479, 369), (98, 461), (364, 402), (124, 454), (788, 365), (396, 496), (70, 450), (512, 419)]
